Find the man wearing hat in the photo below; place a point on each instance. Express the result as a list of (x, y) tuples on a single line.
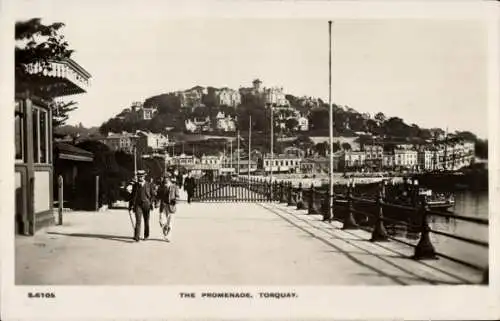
[(168, 195), (141, 204)]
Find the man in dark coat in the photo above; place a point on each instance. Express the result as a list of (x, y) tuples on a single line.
[(141, 203), (189, 187)]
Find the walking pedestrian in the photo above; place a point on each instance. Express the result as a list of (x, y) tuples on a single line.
[(189, 187), (179, 178), (168, 196), (141, 203)]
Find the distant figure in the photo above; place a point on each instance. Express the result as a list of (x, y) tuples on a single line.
[(189, 187), (179, 180), (141, 203), (168, 195)]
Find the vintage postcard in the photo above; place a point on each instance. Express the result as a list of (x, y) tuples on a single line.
[(230, 159)]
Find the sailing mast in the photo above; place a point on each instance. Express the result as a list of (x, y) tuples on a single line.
[(445, 163)]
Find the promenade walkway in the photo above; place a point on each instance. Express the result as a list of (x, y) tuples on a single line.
[(221, 244)]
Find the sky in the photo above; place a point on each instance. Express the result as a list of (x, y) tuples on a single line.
[(433, 73)]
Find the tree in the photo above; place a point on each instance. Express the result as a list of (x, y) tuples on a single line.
[(61, 112), (291, 124), (321, 148), (481, 149), (346, 146), (37, 43), (319, 118), (380, 117)]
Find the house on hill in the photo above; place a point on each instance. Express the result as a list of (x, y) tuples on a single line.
[(227, 97), (225, 123)]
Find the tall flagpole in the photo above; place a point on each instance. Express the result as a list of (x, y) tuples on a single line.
[(331, 117), (249, 144), (135, 162)]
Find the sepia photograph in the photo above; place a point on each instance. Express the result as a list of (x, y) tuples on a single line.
[(244, 158)]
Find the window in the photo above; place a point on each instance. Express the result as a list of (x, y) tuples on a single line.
[(36, 135), (19, 132), (43, 136), (40, 136)]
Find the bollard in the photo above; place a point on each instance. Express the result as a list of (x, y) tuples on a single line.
[(325, 207), (312, 199), (379, 233), (424, 249), (60, 197), (97, 193), (299, 197), (290, 195), (349, 222), (282, 192), (269, 186)]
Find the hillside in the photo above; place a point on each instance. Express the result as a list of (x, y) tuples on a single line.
[(171, 112)]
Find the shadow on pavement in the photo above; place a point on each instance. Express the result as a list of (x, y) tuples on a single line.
[(125, 239), (397, 279)]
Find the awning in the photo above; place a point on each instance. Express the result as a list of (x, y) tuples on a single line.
[(70, 152), (64, 78)]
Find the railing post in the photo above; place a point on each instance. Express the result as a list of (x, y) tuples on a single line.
[(424, 249), (379, 233), (325, 207), (300, 197), (312, 199), (349, 222), (60, 197)]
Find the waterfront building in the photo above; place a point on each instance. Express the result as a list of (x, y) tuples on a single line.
[(425, 159), (121, 141), (374, 154), (211, 160), (34, 96), (282, 163), (244, 166), (294, 151), (388, 160), (405, 158), (354, 159), (183, 160)]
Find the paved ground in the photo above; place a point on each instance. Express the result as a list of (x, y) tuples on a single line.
[(221, 243)]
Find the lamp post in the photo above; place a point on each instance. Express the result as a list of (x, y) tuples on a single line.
[(330, 210)]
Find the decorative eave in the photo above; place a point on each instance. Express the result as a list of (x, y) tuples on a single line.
[(63, 78)]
